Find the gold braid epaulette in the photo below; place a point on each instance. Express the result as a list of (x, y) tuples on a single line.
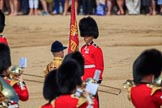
[(154, 88), (81, 100), (13, 82), (53, 103)]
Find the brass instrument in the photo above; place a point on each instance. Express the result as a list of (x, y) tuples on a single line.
[(15, 74), (8, 91), (158, 81), (15, 71), (128, 83)]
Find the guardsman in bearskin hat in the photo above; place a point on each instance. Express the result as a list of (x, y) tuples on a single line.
[(8, 96), (61, 85), (2, 24), (146, 68), (57, 50), (92, 54), (16, 81)]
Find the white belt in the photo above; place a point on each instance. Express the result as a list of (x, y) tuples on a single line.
[(89, 66)]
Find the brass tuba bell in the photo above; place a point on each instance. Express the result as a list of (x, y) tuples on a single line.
[(8, 91)]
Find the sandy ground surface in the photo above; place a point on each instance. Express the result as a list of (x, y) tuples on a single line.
[(122, 39)]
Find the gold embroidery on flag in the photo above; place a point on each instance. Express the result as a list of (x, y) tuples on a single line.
[(74, 29)]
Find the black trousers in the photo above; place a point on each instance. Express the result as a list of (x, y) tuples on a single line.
[(88, 7), (145, 4)]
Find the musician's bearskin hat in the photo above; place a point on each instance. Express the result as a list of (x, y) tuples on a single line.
[(50, 88), (78, 57), (2, 21), (68, 76), (5, 59), (88, 27), (148, 63)]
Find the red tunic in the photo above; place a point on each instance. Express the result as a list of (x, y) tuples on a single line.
[(67, 101), (142, 98), (21, 91), (93, 57), (3, 39)]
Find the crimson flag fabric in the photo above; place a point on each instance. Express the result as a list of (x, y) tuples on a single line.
[(73, 38)]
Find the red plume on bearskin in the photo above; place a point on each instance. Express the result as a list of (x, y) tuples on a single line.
[(73, 38)]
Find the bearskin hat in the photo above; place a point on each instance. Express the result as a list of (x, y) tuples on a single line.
[(78, 57), (88, 27), (149, 62), (5, 60), (50, 88), (68, 76), (2, 21)]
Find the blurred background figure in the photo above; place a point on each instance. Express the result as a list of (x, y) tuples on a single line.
[(14, 5), (33, 5), (59, 6), (24, 6), (148, 7), (160, 4), (145, 6), (89, 7), (50, 6), (100, 7), (1, 4), (66, 6), (109, 5), (133, 6), (153, 7), (45, 4), (120, 4), (6, 7)]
